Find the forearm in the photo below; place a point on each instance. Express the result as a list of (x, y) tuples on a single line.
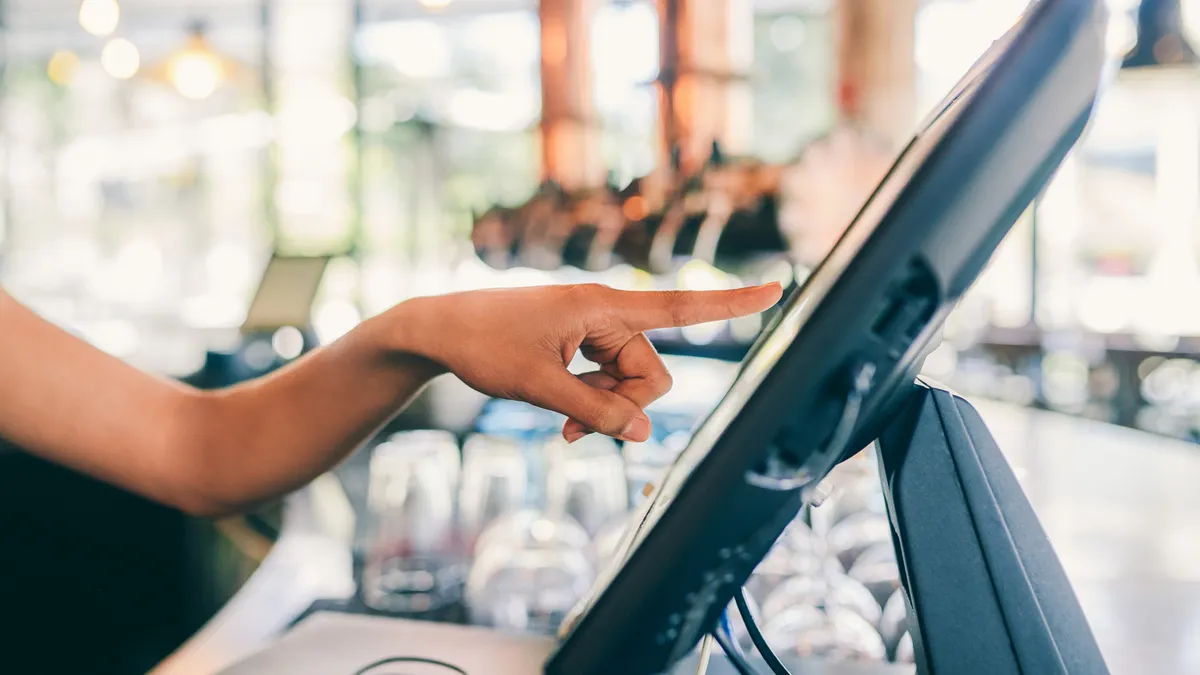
[(205, 452), (269, 436), (216, 452)]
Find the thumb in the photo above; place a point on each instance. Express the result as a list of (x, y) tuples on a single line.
[(597, 409)]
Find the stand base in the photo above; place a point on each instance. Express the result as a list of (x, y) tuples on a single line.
[(981, 579), (342, 644)]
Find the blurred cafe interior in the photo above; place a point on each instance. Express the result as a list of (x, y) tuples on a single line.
[(209, 189)]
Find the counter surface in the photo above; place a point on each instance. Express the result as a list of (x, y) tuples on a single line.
[(1120, 506)]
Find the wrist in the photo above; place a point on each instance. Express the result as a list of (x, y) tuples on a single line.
[(404, 336)]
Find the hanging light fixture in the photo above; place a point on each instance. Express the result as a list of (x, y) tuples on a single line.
[(196, 70), (1161, 40), (1161, 76)]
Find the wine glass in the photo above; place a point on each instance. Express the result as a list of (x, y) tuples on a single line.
[(876, 569), (851, 537), (529, 572), (586, 481), (412, 563), (495, 481), (800, 537), (835, 634), (443, 442), (823, 592), (797, 552), (512, 528), (894, 622), (904, 650)]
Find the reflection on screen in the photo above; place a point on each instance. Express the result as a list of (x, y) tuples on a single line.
[(779, 336)]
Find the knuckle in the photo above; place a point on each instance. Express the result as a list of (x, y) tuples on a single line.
[(661, 383), (588, 290), (676, 302), (586, 297), (605, 419)]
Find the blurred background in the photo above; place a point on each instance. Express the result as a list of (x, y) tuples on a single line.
[(209, 188), (155, 154)]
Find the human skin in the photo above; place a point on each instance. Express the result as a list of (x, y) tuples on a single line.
[(213, 453)]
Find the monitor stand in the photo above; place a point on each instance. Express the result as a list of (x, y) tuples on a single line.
[(980, 577), (985, 591)]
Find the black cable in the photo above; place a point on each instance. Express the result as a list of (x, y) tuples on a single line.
[(726, 626), (756, 636), (843, 433), (818, 465), (738, 661), (408, 659)]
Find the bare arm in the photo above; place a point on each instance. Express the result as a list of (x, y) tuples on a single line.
[(205, 452), (218, 452)]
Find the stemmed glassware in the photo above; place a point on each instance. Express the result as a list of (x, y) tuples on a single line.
[(412, 563)]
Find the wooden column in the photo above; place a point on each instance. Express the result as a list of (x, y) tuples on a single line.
[(569, 138), (876, 68), (705, 47)]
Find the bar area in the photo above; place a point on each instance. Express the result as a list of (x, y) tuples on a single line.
[(215, 191)]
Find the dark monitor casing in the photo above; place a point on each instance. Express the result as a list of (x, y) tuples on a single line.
[(885, 309)]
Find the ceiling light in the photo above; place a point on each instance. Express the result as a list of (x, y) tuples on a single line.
[(120, 59), (99, 17), (195, 75), (196, 70)]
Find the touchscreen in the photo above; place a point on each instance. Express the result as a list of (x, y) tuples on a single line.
[(780, 335)]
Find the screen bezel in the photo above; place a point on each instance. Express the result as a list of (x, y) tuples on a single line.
[(787, 324)]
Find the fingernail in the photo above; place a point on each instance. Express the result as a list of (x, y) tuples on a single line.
[(638, 430), (574, 436)]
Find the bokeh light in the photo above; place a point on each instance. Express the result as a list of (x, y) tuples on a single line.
[(99, 17), (120, 58)]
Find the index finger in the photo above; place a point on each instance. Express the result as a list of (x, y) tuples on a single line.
[(647, 310)]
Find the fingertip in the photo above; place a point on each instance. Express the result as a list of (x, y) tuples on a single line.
[(637, 430), (774, 288), (762, 297), (573, 431)]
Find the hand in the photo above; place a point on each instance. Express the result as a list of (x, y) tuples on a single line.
[(517, 343)]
